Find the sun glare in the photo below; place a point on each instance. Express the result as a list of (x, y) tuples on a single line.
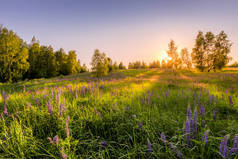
[(164, 57)]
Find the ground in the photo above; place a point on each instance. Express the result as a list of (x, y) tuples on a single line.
[(127, 114)]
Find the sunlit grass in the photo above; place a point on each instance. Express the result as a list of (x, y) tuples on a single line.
[(116, 116)]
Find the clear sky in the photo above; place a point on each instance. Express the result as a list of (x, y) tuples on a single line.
[(126, 30)]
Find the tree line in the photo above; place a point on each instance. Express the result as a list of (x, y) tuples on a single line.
[(102, 65), (210, 52), (19, 60)]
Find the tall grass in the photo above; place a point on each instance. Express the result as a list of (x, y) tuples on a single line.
[(128, 114)]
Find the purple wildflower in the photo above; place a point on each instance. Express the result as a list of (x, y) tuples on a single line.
[(175, 149), (50, 108), (187, 131), (104, 143), (236, 141), (50, 140), (56, 139), (223, 150), (5, 111), (63, 155), (205, 137), (203, 123), (211, 99), (222, 97), (67, 126), (4, 96), (202, 111), (194, 122), (37, 102), (76, 95), (230, 101), (62, 108), (234, 150), (162, 137), (140, 125), (214, 114)]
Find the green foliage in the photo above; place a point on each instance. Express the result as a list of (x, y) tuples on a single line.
[(99, 64), (19, 60), (137, 65), (61, 60), (72, 65), (116, 117), (235, 64), (121, 66), (13, 56), (84, 68), (154, 64), (175, 61), (186, 58), (211, 52)]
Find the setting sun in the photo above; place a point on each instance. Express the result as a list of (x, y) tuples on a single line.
[(164, 57)]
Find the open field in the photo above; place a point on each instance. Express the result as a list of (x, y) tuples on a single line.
[(127, 114)]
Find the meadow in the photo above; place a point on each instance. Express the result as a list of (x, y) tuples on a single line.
[(147, 113)]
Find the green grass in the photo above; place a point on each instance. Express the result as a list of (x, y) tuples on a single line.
[(125, 109)]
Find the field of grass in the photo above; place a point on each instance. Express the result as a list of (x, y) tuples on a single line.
[(129, 114)]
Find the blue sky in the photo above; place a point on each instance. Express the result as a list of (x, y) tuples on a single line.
[(126, 30)]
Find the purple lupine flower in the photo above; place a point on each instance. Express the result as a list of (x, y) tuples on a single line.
[(76, 95), (67, 126), (194, 122), (214, 114), (50, 140), (211, 99), (187, 131), (205, 137), (202, 111), (63, 155), (149, 147), (236, 141), (142, 100), (162, 137), (234, 150), (230, 101), (37, 102), (223, 149), (222, 97), (175, 149), (140, 125), (5, 111), (62, 108), (203, 123), (189, 112), (4, 96), (104, 143), (50, 108), (56, 139)]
